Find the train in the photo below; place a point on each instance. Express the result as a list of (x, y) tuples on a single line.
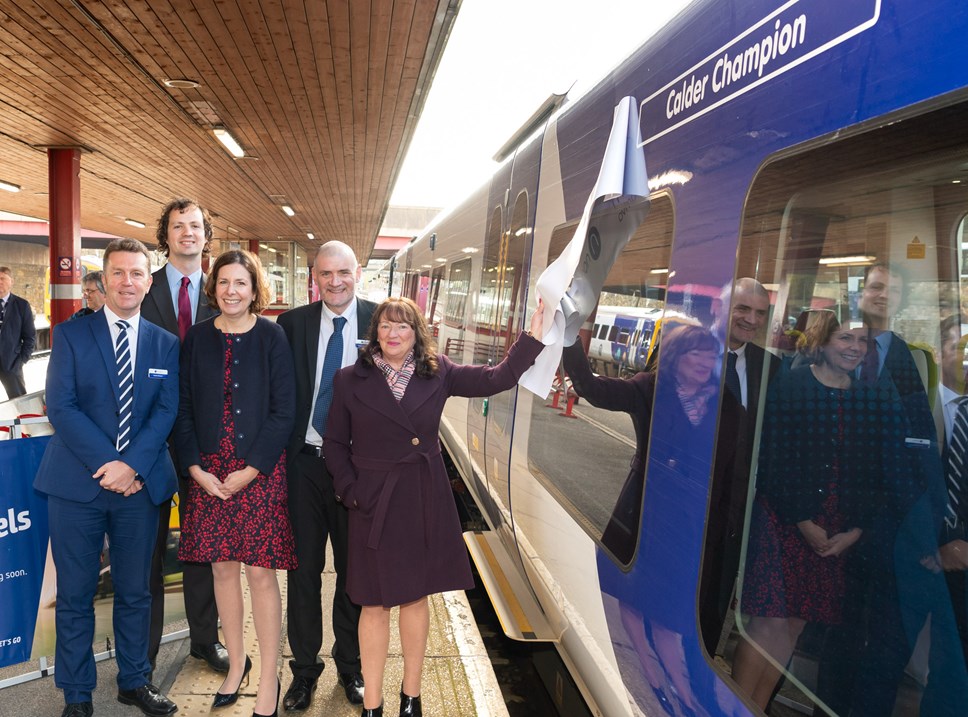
[(796, 143)]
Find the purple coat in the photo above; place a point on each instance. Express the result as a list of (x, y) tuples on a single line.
[(405, 537)]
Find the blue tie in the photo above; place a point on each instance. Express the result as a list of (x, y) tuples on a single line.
[(122, 355), (332, 363)]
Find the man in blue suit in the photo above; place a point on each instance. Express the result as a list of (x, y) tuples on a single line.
[(17, 336), (112, 397)]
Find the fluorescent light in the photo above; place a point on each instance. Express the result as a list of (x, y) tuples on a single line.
[(273, 250), (470, 250), (182, 83), (264, 246), (289, 211), (134, 223), (847, 260), (659, 270), (310, 235), (9, 187), (229, 142)]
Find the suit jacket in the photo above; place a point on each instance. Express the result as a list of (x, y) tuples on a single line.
[(83, 406), (301, 326), (262, 405), (17, 337), (158, 308)]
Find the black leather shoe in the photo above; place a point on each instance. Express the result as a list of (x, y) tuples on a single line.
[(215, 655), (300, 693), (352, 684), (378, 712), (224, 700), (78, 709), (149, 700), (410, 706)]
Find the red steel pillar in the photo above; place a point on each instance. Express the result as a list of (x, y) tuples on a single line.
[(64, 187), (254, 246)]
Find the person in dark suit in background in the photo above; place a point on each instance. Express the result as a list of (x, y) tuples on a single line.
[(92, 287), (112, 398), (234, 420), (175, 302), (316, 516), (383, 449), (17, 336)]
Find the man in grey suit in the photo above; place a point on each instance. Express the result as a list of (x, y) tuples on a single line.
[(17, 336), (175, 301), (315, 513)]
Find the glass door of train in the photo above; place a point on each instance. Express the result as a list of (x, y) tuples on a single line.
[(499, 318)]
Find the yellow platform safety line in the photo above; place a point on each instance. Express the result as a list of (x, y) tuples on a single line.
[(524, 625)]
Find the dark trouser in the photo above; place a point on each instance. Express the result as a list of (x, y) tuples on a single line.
[(316, 517), (13, 382), (197, 587), (77, 533)]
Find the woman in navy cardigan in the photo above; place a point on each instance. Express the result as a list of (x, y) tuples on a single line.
[(382, 448), (234, 420)]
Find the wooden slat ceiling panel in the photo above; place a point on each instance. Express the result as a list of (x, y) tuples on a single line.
[(323, 95)]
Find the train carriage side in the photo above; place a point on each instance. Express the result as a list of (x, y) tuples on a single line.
[(845, 148)]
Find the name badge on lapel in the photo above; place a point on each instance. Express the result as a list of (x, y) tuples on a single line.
[(157, 373), (361, 344)]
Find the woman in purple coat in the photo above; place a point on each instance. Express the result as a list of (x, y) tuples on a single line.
[(382, 448)]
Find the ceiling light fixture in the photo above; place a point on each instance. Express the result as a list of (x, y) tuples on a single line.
[(229, 142), (847, 260), (9, 186), (134, 223), (289, 211), (182, 83), (659, 270), (310, 236)]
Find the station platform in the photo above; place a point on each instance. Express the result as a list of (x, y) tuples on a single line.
[(458, 679)]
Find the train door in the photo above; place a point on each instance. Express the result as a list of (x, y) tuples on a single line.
[(509, 290), (482, 327)]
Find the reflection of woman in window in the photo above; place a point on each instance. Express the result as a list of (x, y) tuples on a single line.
[(808, 507), (692, 352)]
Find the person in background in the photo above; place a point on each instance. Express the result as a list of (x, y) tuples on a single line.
[(234, 419), (175, 302), (318, 350), (811, 503), (17, 336), (382, 446), (92, 287), (112, 397)]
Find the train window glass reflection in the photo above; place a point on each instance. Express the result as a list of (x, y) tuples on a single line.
[(849, 583), (451, 336), (593, 465)]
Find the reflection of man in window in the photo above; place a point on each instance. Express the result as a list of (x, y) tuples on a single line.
[(954, 531), (893, 580)]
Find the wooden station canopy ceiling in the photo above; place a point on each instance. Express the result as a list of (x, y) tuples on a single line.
[(323, 96)]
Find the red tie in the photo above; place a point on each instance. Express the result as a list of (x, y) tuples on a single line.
[(184, 309)]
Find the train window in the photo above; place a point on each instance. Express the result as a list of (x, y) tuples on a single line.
[(451, 336), (595, 465), (845, 535)]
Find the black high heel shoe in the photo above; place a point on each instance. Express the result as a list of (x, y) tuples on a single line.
[(376, 712), (410, 706), (224, 700), (275, 712)]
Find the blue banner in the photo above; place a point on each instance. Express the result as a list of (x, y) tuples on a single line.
[(23, 546)]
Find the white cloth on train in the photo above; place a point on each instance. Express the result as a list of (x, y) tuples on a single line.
[(572, 283)]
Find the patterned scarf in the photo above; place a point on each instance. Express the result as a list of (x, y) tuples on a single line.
[(695, 405), (396, 380)]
